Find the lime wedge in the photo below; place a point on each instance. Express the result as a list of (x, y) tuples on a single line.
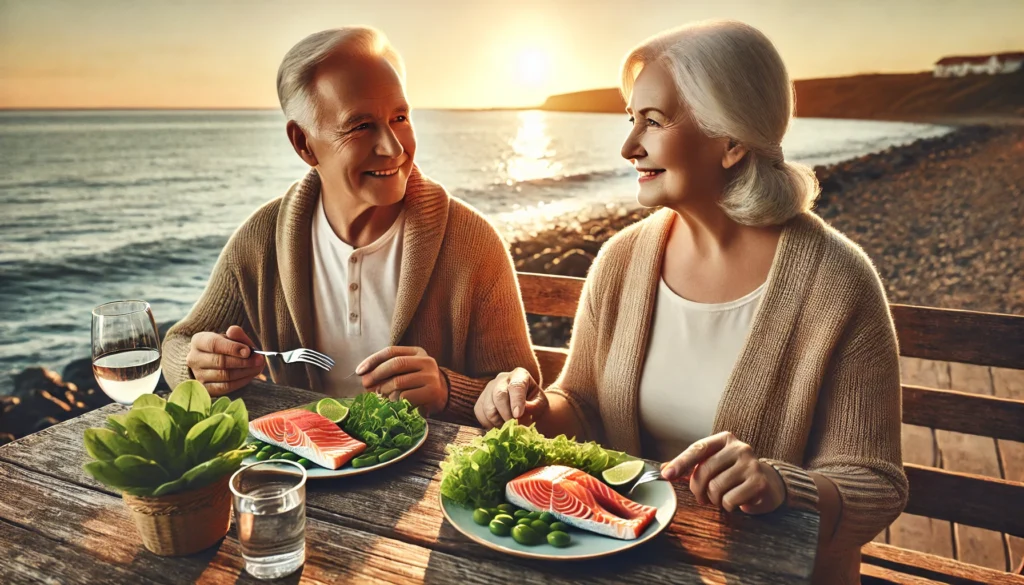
[(623, 473), (332, 410)]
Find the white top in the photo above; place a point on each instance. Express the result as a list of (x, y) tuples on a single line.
[(690, 355), (354, 292)]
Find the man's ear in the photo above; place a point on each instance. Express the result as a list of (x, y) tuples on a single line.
[(297, 136), (734, 153)]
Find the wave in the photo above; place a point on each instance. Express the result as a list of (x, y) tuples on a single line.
[(78, 183), (125, 261)]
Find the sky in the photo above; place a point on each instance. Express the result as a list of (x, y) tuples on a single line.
[(459, 54)]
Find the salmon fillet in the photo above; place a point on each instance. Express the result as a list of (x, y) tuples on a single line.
[(581, 500), (308, 435)]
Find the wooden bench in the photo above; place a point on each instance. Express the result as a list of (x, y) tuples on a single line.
[(964, 337)]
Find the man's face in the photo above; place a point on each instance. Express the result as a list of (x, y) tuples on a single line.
[(364, 142)]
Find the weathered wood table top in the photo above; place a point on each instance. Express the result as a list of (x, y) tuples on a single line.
[(58, 525)]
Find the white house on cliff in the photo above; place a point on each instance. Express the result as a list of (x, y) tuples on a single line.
[(979, 64)]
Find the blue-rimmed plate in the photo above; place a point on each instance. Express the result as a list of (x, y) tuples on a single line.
[(584, 545)]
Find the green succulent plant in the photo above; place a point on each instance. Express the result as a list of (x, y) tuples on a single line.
[(165, 446)]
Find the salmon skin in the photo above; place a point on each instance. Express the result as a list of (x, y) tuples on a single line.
[(308, 435), (581, 500)]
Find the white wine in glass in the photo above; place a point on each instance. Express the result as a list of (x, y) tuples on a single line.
[(125, 350)]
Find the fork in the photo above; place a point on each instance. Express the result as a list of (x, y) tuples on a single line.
[(647, 477), (306, 356)]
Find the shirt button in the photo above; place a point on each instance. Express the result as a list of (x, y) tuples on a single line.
[(353, 317), (353, 286), (353, 260)]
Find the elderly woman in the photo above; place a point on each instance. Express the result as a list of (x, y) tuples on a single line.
[(364, 259), (732, 334)]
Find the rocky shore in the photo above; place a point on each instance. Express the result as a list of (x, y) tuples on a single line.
[(942, 218)]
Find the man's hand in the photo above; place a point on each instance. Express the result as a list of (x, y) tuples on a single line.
[(406, 372), (223, 363)]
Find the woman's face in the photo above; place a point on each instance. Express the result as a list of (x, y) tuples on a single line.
[(677, 164)]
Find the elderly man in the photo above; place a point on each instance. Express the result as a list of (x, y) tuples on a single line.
[(411, 291)]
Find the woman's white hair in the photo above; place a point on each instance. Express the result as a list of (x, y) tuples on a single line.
[(735, 85), (298, 68)]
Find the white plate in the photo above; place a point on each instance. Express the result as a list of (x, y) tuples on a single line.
[(584, 545), (317, 472)]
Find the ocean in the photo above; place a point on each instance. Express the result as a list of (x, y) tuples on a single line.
[(105, 205)]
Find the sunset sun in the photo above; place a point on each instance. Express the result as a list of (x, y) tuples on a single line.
[(533, 67)]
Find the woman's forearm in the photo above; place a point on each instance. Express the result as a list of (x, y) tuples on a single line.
[(560, 418)]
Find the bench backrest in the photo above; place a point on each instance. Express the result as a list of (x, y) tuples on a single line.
[(986, 339)]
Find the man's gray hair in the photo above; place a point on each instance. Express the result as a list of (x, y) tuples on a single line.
[(734, 83), (298, 68)]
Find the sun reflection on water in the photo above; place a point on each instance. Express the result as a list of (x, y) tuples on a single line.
[(531, 157)]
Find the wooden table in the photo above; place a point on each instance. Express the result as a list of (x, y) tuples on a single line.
[(57, 525)]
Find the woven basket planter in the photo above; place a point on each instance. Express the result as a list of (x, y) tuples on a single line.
[(183, 523)]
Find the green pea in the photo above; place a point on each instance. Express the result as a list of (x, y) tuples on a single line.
[(257, 445), (521, 514), (523, 522), (305, 463), (494, 511), (364, 461), (499, 528), (534, 516), (481, 517), (558, 539), (507, 508), (559, 527), (540, 526), (389, 455), (505, 519), (290, 456), (547, 517), (526, 536), (262, 456), (278, 455), (268, 448)]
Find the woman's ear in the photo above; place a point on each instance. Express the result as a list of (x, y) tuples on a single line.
[(734, 153), (297, 136)]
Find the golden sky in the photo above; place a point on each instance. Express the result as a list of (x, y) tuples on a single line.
[(459, 53)]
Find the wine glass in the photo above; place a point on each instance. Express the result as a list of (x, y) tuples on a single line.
[(125, 350)]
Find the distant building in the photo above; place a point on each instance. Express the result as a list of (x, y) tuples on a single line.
[(979, 64)]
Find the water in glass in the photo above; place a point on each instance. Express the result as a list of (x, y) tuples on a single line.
[(270, 516)]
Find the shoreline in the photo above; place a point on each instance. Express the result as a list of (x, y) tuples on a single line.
[(954, 243)]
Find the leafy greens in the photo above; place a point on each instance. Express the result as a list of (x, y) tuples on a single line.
[(475, 475)]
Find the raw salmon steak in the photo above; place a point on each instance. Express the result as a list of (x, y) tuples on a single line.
[(581, 500), (308, 435)]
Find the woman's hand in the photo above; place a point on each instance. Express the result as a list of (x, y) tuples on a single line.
[(510, 395), (406, 372), (726, 473)]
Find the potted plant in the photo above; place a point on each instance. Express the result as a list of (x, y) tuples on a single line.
[(171, 460)]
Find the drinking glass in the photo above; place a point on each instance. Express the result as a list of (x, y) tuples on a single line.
[(270, 516), (125, 350)]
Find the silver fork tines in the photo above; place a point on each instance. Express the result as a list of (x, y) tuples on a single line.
[(306, 356), (647, 477)]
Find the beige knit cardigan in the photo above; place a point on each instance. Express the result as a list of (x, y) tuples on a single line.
[(816, 385), (458, 296)]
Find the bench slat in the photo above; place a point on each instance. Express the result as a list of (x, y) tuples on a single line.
[(987, 339), (974, 500), (554, 296), (974, 414), (933, 567), (968, 337)]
